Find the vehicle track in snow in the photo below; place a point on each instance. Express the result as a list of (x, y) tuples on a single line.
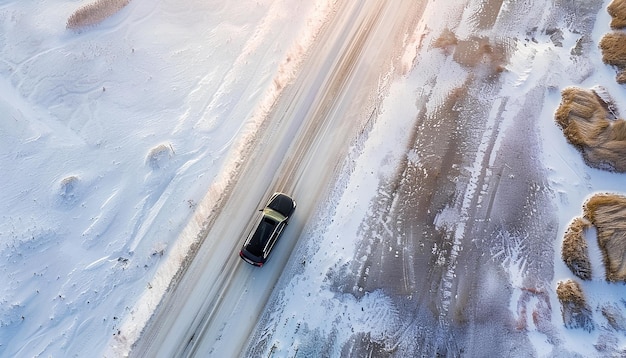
[(214, 307)]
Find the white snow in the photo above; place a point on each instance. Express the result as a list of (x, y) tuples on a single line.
[(115, 141), (110, 139)]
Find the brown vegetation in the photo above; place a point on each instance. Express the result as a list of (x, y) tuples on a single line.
[(617, 10), (446, 39), (94, 13), (607, 212), (588, 124), (574, 309), (574, 252), (613, 46)]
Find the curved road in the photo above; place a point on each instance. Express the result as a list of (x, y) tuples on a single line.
[(212, 310)]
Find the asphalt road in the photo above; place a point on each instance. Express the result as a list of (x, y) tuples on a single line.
[(214, 306)]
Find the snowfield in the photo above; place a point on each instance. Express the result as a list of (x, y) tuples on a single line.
[(111, 137), (118, 140)]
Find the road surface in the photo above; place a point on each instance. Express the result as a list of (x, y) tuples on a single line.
[(213, 308)]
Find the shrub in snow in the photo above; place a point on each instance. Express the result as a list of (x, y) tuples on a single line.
[(576, 313), (607, 212), (68, 191), (613, 46), (574, 252), (94, 13), (588, 124), (159, 156), (617, 10)]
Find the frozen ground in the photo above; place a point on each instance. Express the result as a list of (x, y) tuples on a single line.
[(111, 137), (370, 288)]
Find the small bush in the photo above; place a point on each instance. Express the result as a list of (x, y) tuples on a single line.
[(68, 191), (613, 46), (159, 156), (94, 13), (574, 252), (617, 10), (574, 308), (587, 123), (607, 212)]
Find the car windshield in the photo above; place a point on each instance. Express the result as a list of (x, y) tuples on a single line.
[(261, 235)]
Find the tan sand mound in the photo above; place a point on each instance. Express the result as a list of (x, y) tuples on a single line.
[(588, 124), (617, 10), (607, 212), (94, 13), (574, 252), (613, 46), (574, 308)]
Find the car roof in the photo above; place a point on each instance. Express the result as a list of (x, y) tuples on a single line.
[(281, 203), (258, 240)]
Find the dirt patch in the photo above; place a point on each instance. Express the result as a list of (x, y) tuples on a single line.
[(446, 40), (613, 46), (94, 13), (607, 212), (575, 252), (588, 123), (474, 51), (617, 10), (574, 308)]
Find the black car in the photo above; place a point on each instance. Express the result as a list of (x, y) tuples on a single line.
[(271, 224)]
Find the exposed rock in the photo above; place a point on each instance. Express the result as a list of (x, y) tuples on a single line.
[(556, 36)]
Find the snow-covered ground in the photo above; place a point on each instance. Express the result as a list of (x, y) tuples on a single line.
[(111, 137)]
